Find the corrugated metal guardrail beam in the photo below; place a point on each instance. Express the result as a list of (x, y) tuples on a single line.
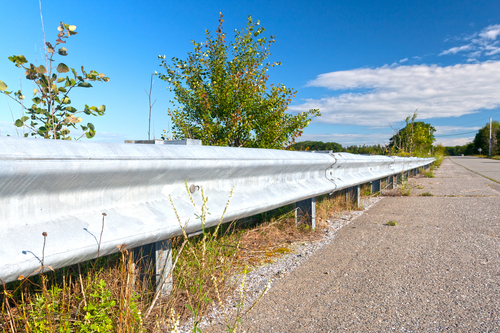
[(63, 188)]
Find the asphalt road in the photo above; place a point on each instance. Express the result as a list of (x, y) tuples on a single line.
[(438, 270), (484, 166)]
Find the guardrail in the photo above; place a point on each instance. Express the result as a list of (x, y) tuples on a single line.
[(63, 188)]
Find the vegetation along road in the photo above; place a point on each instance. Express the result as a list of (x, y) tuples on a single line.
[(437, 270)]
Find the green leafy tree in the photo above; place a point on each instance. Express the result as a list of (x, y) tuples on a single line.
[(481, 140), (222, 97), (317, 145), (467, 149), (364, 149), (415, 139), (51, 114)]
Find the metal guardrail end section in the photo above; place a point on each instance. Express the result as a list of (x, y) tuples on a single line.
[(63, 188)]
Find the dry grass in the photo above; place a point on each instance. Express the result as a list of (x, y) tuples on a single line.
[(108, 294)]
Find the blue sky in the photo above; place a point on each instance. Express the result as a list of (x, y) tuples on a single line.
[(366, 64)]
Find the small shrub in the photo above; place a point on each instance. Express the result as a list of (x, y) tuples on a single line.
[(427, 194), (428, 174), (392, 223)]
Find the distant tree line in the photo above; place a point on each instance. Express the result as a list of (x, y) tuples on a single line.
[(415, 139), (338, 148), (481, 141)]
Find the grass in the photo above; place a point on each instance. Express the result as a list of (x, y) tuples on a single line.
[(404, 187), (109, 293), (428, 174), (427, 194)]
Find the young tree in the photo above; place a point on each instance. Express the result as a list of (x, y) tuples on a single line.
[(50, 116), (221, 96), (415, 139)]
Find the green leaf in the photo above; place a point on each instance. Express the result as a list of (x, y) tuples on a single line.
[(23, 119), (66, 100), (61, 79), (91, 126), (63, 51), (36, 100), (84, 85), (90, 134), (19, 123), (41, 69), (71, 109), (62, 89), (3, 86), (102, 108), (62, 68)]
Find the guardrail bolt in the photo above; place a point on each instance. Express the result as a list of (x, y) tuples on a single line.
[(193, 188)]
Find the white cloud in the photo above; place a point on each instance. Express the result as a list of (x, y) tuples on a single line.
[(455, 50), (480, 44), (395, 92), (491, 32), (451, 142), (403, 60), (445, 130)]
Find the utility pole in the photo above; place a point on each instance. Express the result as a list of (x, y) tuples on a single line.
[(489, 149)]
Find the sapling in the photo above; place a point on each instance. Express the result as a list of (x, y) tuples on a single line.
[(51, 115)]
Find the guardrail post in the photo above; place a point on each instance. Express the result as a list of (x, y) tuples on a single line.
[(155, 259), (305, 212), (352, 195), (155, 263), (390, 182), (375, 186), (398, 179)]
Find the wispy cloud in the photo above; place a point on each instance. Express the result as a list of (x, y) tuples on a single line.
[(392, 93), (451, 142), (446, 130), (482, 44)]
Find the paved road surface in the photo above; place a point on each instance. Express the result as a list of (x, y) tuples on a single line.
[(484, 166), (438, 270)]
